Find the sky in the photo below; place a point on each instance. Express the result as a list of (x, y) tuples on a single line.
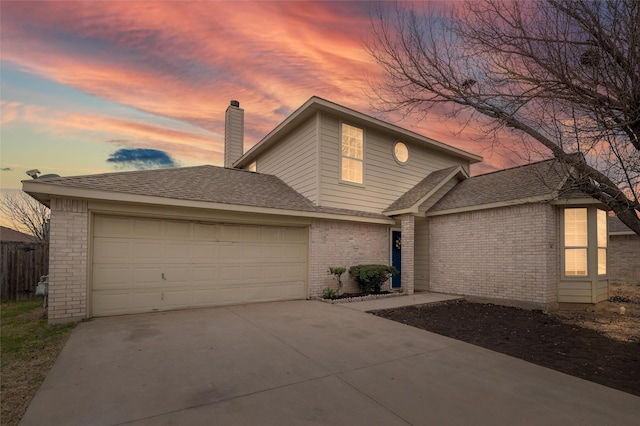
[(102, 86)]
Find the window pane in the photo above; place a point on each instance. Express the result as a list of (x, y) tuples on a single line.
[(352, 153), (575, 262), (575, 227), (602, 261), (352, 138), (351, 170), (602, 228)]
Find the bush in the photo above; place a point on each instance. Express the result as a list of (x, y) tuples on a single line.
[(337, 272), (371, 277), (329, 293)]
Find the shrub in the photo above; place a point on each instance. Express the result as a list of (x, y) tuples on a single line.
[(329, 293), (337, 272), (371, 277)]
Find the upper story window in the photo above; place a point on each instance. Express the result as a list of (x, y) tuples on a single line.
[(401, 152), (352, 150)]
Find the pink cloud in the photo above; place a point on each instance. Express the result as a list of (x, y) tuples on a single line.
[(186, 60)]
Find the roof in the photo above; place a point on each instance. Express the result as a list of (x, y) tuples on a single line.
[(209, 184), (201, 183), (616, 227), (533, 182), (316, 104), (8, 234), (423, 189)]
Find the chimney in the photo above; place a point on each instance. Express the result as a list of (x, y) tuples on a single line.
[(233, 133)]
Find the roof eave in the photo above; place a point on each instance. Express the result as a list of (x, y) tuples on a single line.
[(507, 203)]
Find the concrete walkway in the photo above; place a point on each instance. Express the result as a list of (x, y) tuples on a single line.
[(397, 302), (302, 363)]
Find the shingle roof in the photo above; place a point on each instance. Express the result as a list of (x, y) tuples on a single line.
[(8, 234), (616, 226), (201, 183), (204, 183), (532, 180), (411, 197)]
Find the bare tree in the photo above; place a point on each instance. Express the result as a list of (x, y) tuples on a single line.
[(26, 214), (562, 76)]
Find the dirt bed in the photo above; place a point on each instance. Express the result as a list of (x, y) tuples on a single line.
[(602, 345)]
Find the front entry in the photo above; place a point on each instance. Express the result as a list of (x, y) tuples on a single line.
[(396, 257)]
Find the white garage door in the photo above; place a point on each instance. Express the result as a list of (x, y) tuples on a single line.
[(145, 265)]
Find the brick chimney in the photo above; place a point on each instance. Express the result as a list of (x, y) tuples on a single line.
[(233, 133)]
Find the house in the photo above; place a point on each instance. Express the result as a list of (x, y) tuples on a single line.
[(329, 186), (8, 234), (624, 252)]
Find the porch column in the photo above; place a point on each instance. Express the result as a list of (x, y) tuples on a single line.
[(407, 225)]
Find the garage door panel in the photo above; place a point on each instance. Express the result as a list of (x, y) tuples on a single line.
[(178, 252), (205, 274), (107, 277), (113, 250), (175, 299), (146, 300), (204, 264), (205, 232), (205, 297), (177, 230), (112, 303), (112, 226), (148, 228), (148, 252), (205, 252)]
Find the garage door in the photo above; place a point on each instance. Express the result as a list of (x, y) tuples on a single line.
[(145, 265)]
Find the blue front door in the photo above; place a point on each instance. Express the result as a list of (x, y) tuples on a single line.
[(396, 257)]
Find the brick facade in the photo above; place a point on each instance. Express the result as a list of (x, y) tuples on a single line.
[(68, 248), (508, 253), (338, 243), (407, 250), (624, 259)]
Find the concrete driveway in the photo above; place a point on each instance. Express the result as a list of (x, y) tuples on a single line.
[(302, 363)]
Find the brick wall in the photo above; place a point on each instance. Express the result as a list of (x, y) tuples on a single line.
[(338, 243), (407, 253), (624, 259), (506, 253), (68, 260)]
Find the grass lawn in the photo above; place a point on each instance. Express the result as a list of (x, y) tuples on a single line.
[(28, 349)]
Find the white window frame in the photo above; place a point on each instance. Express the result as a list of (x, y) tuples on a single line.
[(594, 245), (344, 157)]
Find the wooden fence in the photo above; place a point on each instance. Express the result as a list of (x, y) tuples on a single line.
[(22, 265)]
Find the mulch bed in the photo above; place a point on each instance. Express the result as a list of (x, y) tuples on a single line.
[(533, 336)]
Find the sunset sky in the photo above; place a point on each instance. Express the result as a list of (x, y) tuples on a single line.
[(87, 85)]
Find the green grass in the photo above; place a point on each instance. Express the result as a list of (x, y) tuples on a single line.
[(28, 349)]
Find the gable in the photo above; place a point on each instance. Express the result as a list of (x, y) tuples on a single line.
[(427, 192)]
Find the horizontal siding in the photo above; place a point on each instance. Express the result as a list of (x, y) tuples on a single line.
[(603, 290), (293, 159), (574, 292), (385, 180)]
